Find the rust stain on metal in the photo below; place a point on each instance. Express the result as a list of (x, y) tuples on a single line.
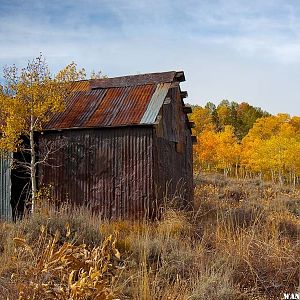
[(121, 106), (104, 108), (110, 169), (80, 86), (112, 102)]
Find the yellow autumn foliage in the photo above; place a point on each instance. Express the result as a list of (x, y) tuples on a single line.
[(270, 149), (29, 97)]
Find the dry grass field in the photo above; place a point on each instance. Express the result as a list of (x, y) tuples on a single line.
[(241, 241)]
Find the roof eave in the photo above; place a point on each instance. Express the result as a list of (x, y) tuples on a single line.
[(95, 127)]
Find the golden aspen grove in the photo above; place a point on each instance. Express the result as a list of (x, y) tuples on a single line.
[(27, 99), (244, 141)]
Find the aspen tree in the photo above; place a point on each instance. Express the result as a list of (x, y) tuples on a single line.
[(28, 98)]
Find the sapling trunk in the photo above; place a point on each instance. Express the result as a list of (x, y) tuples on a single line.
[(33, 167)]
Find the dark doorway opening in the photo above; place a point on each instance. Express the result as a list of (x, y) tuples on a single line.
[(20, 185)]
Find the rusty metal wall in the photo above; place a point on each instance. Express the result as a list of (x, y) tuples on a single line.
[(111, 170), (5, 188), (173, 151)]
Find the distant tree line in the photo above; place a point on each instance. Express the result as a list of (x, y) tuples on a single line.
[(241, 116), (245, 141)]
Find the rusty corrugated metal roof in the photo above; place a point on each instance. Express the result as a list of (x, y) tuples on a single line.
[(112, 102), (82, 85)]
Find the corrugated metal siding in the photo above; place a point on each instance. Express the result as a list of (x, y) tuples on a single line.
[(107, 169), (173, 151), (173, 171), (5, 188)]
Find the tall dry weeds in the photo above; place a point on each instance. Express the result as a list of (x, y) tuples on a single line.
[(240, 242)]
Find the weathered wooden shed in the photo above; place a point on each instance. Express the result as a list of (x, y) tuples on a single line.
[(120, 145)]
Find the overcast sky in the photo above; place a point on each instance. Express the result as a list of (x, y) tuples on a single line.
[(236, 50)]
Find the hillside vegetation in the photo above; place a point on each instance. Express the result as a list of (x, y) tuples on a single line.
[(240, 242), (243, 141)]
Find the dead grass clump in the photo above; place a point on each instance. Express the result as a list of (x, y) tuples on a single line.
[(215, 285), (128, 233), (179, 262), (290, 229), (235, 190), (82, 223), (64, 272), (293, 206), (174, 223), (7, 289), (267, 266), (261, 259), (206, 192), (5, 229), (234, 193), (215, 179), (246, 215), (257, 233)]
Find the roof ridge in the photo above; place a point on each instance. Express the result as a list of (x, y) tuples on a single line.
[(134, 80)]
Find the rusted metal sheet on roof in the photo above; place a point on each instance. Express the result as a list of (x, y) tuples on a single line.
[(133, 80), (82, 85), (122, 106), (114, 102), (80, 106), (104, 108), (155, 103), (109, 169)]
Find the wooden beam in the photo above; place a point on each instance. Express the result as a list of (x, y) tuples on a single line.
[(174, 84), (187, 109), (183, 94), (191, 124), (167, 100), (180, 76)]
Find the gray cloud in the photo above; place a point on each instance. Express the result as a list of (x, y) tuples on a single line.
[(228, 49)]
